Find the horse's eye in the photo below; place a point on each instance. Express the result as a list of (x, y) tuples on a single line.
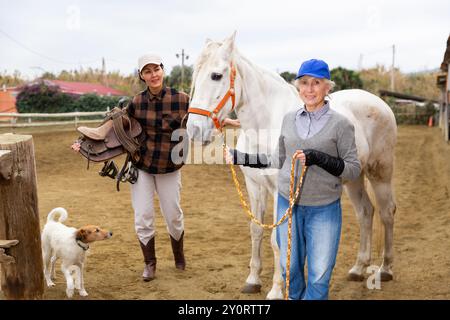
[(216, 76)]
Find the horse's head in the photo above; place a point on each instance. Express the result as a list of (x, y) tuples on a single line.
[(215, 89)]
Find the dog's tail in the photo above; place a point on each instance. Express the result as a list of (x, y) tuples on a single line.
[(62, 214)]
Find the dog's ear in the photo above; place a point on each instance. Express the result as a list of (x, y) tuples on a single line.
[(81, 234)]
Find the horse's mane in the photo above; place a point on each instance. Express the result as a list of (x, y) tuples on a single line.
[(271, 73), (211, 47)]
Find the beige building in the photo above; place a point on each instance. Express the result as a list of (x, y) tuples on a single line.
[(443, 81)]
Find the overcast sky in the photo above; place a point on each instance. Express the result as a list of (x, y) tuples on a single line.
[(277, 34)]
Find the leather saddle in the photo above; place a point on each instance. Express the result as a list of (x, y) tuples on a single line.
[(116, 135)]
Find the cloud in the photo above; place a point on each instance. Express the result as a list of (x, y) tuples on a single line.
[(275, 34)]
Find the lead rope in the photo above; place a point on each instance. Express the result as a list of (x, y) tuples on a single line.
[(293, 196)]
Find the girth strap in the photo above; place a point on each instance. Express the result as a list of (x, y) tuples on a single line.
[(130, 144)]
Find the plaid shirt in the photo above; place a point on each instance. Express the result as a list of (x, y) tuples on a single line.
[(159, 116)]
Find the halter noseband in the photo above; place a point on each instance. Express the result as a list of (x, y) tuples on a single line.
[(230, 94)]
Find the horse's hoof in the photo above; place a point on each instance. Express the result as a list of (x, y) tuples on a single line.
[(251, 288), (274, 295), (277, 298), (386, 276), (355, 277), (83, 293)]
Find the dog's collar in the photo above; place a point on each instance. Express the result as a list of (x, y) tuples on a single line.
[(83, 245)]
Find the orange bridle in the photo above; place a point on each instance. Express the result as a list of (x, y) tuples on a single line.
[(230, 94)]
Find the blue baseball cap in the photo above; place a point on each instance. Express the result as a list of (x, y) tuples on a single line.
[(314, 68)]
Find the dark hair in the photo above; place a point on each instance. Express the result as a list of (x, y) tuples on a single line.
[(139, 73)]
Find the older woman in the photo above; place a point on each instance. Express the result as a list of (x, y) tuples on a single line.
[(323, 140)]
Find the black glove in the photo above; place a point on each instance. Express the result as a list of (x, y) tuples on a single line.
[(332, 165), (249, 160)]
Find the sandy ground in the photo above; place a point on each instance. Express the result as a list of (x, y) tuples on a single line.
[(217, 241)]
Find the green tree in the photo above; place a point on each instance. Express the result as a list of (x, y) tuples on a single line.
[(288, 76), (174, 79), (48, 75), (346, 79)]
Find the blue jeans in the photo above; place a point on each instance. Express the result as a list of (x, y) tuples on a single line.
[(316, 232)]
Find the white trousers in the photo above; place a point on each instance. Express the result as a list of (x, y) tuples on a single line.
[(168, 187)]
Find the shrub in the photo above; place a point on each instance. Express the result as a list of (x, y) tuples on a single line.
[(93, 102), (42, 98)]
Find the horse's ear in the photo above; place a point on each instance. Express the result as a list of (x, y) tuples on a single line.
[(228, 46), (233, 36), (208, 41), (230, 39)]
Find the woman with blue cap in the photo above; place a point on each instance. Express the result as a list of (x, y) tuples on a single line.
[(323, 140)]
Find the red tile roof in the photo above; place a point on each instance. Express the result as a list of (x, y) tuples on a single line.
[(80, 88)]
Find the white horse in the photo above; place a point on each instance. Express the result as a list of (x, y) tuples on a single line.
[(262, 98)]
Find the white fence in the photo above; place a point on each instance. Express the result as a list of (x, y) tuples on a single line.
[(9, 120)]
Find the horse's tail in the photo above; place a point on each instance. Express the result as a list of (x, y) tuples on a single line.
[(62, 215)]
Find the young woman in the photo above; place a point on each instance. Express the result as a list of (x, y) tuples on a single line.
[(159, 110)]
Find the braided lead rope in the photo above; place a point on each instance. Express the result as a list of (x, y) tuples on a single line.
[(292, 197), (289, 246)]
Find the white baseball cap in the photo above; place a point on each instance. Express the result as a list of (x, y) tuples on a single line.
[(150, 58)]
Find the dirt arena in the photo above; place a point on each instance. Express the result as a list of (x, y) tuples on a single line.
[(217, 241)]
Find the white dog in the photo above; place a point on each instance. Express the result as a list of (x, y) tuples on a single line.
[(69, 244)]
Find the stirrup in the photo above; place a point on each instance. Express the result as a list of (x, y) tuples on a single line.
[(109, 170), (133, 174), (130, 173)]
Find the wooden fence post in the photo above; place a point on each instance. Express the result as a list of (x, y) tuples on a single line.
[(19, 218)]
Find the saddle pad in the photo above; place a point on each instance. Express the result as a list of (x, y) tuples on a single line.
[(97, 151)]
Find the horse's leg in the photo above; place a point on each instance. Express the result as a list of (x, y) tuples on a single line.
[(277, 285), (385, 200), (258, 200), (364, 211)]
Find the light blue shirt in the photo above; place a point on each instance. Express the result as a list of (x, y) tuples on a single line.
[(309, 123)]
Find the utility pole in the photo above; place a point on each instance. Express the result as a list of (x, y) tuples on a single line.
[(360, 62), (104, 75), (182, 66), (392, 68)]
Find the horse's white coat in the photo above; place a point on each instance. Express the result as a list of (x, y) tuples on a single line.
[(262, 100)]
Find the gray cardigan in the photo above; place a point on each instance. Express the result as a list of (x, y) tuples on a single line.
[(337, 138)]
